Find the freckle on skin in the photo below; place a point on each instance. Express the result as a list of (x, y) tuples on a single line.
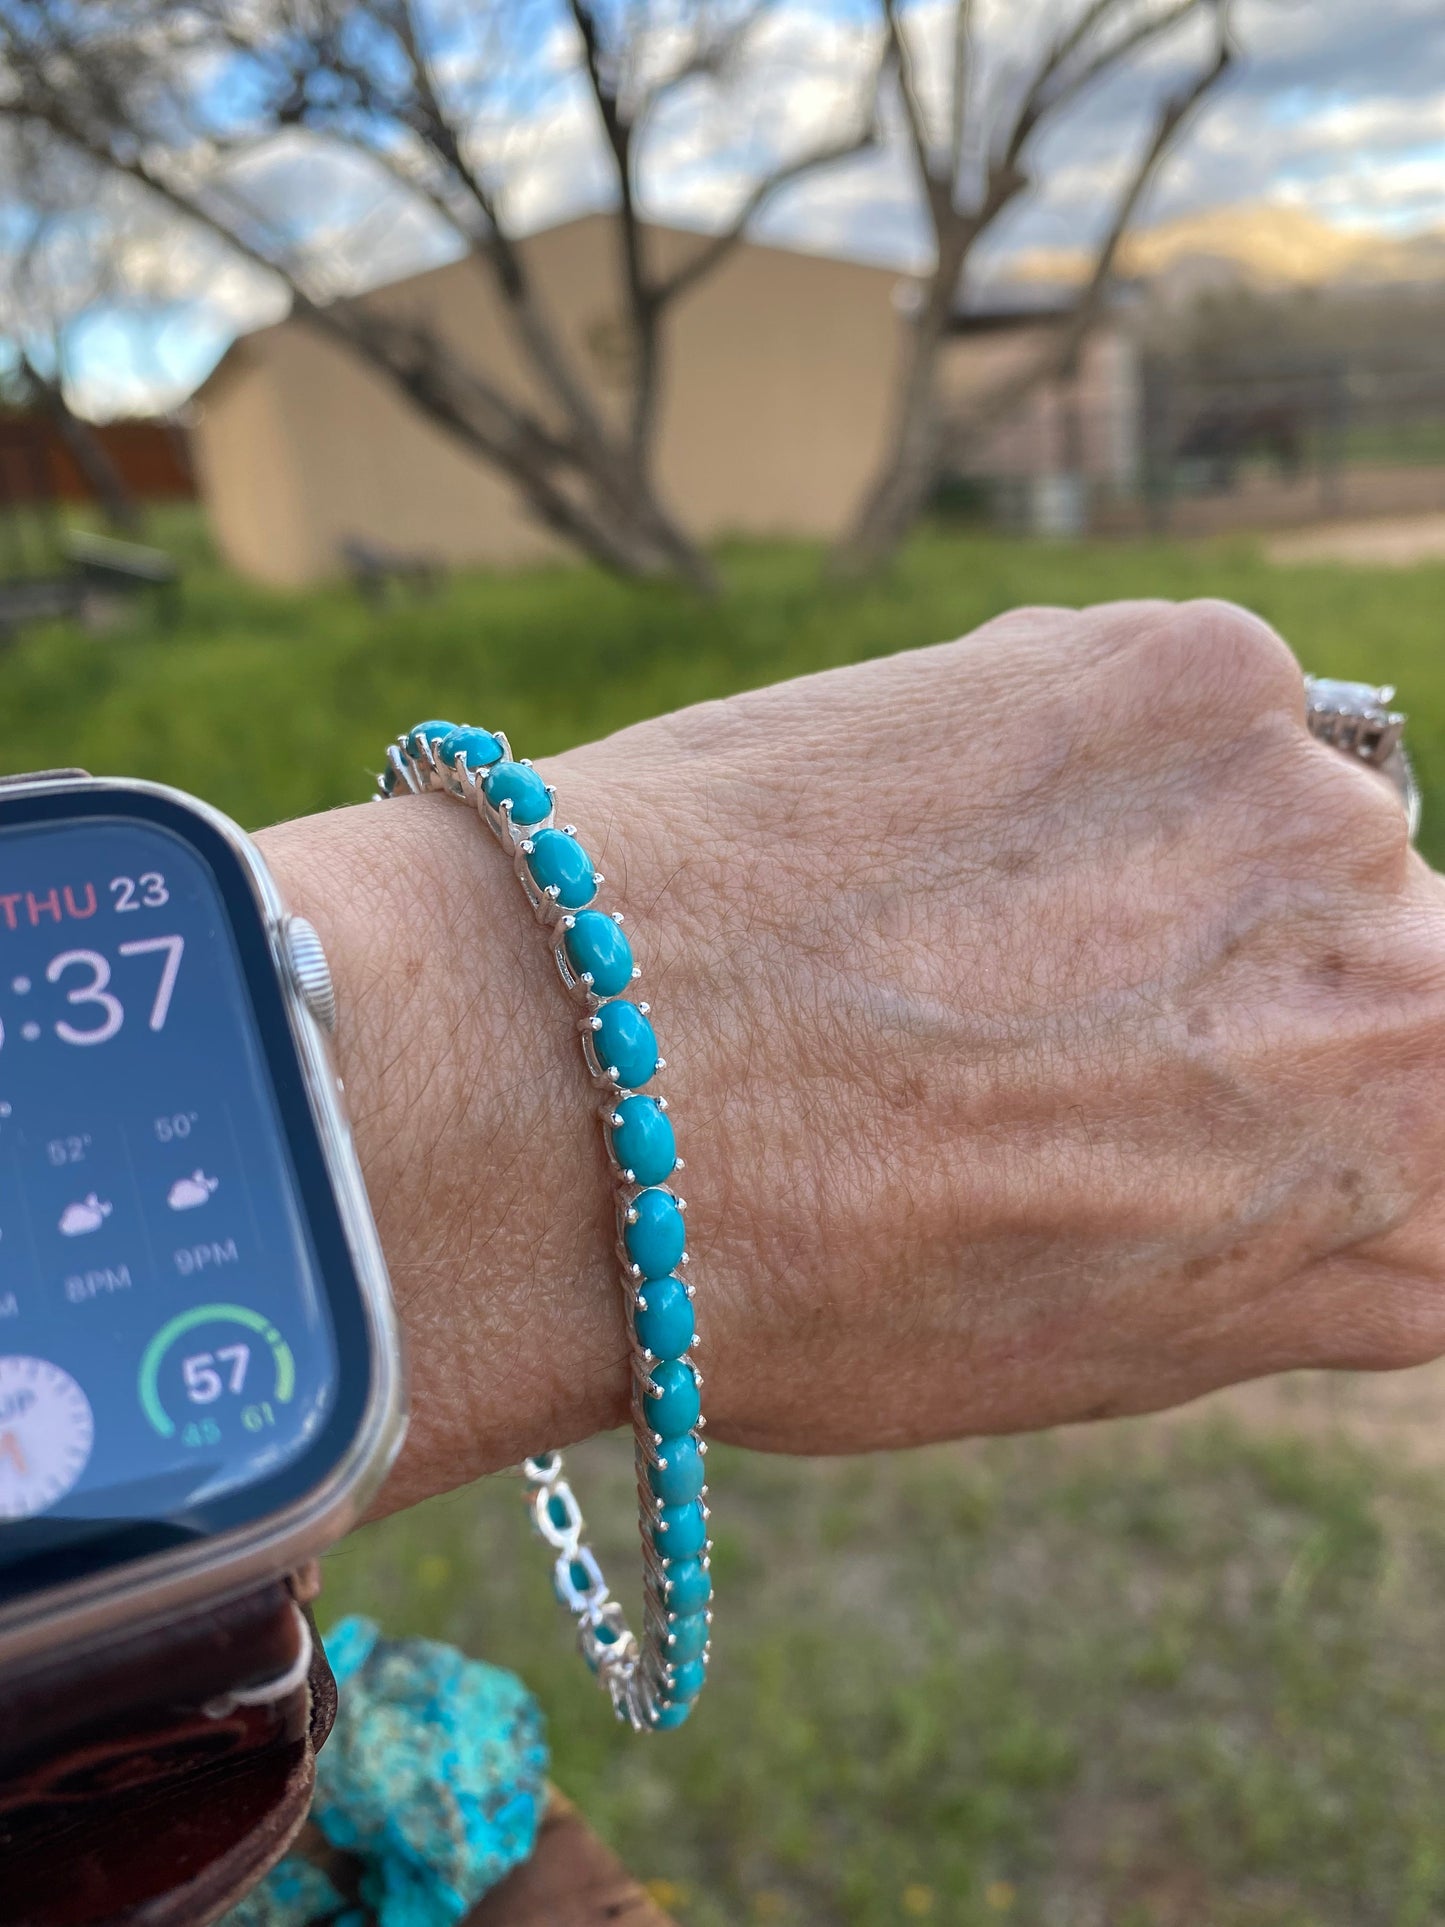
[(908, 1093), (1332, 966), (1201, 1023), (1012, 863)]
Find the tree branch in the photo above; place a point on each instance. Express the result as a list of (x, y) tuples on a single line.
[(1062, 353), (959, 81), (128, 108), (901, 55), (538, 338), (717, 247), (1041, 100), (707, 58), (503, 430), (642, 305)]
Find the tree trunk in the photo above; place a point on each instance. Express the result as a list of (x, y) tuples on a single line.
[(598, 500), (909, 469), (90, 455)]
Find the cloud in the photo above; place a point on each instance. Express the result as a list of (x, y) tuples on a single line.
[(1335, 109)]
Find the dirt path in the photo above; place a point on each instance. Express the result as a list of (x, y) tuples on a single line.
[(1392, 542), (1400, 1413)]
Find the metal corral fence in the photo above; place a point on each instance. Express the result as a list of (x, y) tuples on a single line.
[(1272, 440), (1193, 445)]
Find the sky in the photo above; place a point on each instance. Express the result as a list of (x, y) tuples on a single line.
[(1336, 109)]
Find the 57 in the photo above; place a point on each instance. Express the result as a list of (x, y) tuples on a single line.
[(207, 1375)]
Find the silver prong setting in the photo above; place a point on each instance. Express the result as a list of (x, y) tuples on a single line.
[(636, 1672)]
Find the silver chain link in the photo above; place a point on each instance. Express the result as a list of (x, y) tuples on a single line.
[(634, 1672)]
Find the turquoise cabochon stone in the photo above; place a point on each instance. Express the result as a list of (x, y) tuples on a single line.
[(688, 1637), (597, 948), (642, 1140), (664, 1323), (626, 1043), (656, 1238), (687, 1586), (678, 1405), (667, 1718), (426, 732), (680, 1531), (520, 786), (559, 862), (688, 1680), (479, 747), (683, 1475)]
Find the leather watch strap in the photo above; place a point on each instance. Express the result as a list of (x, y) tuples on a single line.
[(151, 1780)]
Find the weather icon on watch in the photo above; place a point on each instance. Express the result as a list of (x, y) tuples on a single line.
[(187, 1194), (87, 1214)]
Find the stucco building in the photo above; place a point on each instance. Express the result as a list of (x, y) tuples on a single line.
[(775, 408)]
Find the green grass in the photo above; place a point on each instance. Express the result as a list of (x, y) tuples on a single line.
[(1151, 1678), (1399, 441), (275, 704)]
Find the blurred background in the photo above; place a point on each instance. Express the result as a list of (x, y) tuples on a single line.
[(552, 364)]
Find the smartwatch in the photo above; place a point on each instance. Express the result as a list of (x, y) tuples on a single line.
[(200, 1381)]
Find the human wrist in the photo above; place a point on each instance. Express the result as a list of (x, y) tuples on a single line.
[(475, 1133)]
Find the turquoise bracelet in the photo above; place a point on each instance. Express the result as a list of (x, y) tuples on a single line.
[(653, 1680)]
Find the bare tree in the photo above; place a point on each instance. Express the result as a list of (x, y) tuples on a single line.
[(47, 284), (1104, 38), (188, 102)]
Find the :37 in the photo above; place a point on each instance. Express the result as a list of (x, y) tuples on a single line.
[(96, 993)]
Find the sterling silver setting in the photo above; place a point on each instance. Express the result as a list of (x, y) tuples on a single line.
[(1357, 719), (634, 1670)]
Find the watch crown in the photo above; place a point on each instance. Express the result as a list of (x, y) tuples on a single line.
[(310, 971)]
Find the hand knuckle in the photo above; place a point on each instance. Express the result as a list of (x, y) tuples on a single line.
[(1356, 822), (1235, 656)]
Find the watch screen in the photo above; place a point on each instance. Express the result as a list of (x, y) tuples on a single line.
[(176, 1307)]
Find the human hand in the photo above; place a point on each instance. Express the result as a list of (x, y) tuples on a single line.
[(1054, 1031)]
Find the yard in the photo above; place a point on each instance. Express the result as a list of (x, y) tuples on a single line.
[(1152, 1675)]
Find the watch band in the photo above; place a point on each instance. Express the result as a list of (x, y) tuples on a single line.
[(150, 1780)]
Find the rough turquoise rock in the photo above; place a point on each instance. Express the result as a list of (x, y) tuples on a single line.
[(479, 747), (559, 862), (680, 1531), (434, 1776), (656, 1236), (687, 1584), (665, 1325), (520, 786), (642, 1141), (597, 948), (679, 1405), (687, 1637), (626, 1043), (293, 1894), (683, 1476)]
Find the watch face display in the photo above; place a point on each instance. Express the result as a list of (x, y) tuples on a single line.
[(182, 1343)]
